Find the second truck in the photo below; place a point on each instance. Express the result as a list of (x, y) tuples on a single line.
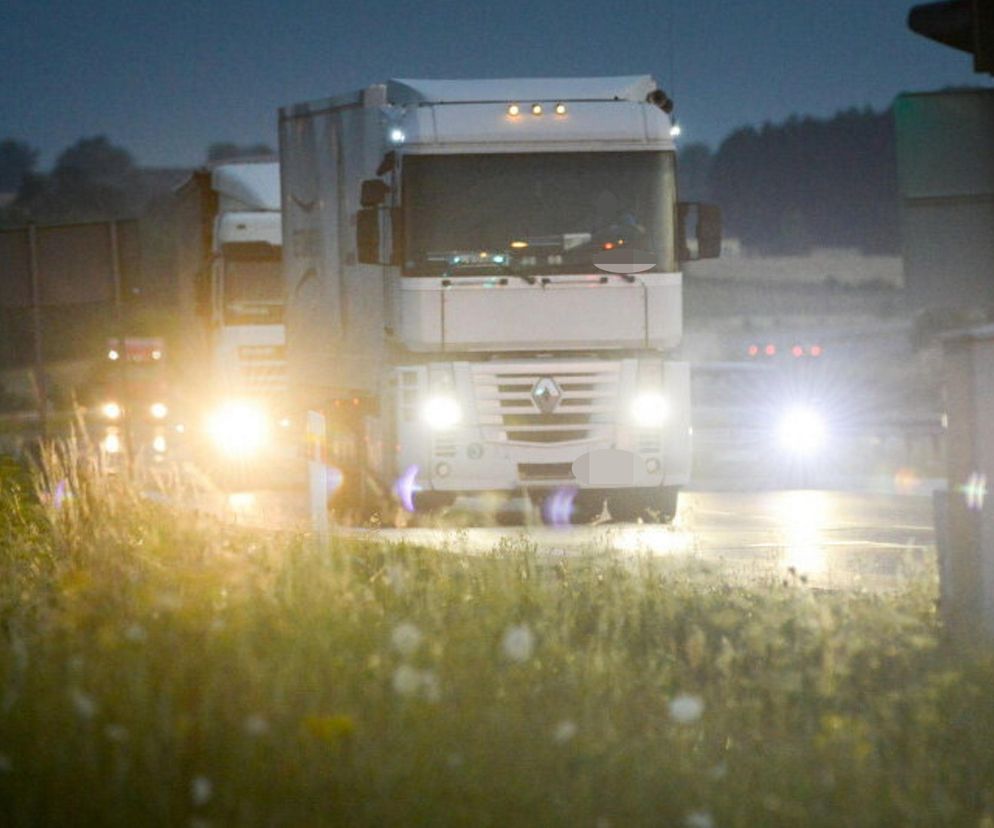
[(483, 287)]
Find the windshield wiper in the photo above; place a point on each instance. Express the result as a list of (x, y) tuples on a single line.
[(505, 269)]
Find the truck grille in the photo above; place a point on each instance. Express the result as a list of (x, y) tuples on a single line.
[(507, 411), (264, 377)]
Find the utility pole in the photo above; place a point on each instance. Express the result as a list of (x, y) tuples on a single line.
[(41, 387), (121, 328)]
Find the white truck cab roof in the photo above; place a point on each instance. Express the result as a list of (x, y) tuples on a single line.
[(247, 185), (401, 92)]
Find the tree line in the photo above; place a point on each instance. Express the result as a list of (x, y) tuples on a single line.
[(92, 180), (783, 188), (807, 182)]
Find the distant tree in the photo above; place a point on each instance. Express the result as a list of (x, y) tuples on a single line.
[(226, 150), (93, 179), (806, 182), (693, 172), (17, 160)]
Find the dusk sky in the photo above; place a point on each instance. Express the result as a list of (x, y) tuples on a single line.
[(167, 79)]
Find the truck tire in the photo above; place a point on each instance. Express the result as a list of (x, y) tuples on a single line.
[(587, 506), (652, 505), (575, 507)]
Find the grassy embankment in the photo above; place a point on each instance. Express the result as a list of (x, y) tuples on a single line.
[(158, 668)]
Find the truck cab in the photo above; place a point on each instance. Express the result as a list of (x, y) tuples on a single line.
[(490, 270)]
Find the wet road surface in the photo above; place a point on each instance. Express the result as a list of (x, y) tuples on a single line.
[(827, 539)]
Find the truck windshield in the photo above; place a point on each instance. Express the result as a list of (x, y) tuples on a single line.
[(253, 284), (535, 213)]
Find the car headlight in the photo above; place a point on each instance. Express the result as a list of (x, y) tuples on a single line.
[(112, 443), (238, 429), (158, 410), (111, 410), (802, 431), (650, 409), (441, 412)]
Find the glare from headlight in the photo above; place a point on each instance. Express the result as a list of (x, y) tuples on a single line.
[(158, 410), (441, 412), (238, 429), (112, 443), (159, 444), (111, 410), (650, 409), (802, 431)]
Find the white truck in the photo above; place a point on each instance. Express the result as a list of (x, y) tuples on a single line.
[(483, 285), (246, 332), (232, 210)]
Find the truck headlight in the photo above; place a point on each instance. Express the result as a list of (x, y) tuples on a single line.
[(441, 412), (650, 409), (802, 431), (111, 410), (158, 410), (238, 429)]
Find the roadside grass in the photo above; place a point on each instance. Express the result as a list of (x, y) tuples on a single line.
[(158, 667)]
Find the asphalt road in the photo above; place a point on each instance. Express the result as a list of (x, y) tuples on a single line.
[(828, 539)]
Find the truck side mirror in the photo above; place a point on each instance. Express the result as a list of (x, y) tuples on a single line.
[(374, 192), (706, 219), (708, 231), (368, 235)]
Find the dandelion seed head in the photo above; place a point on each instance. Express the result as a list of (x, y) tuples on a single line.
[(406, 638), (698, 819), (686, 709), (411, 682), (116, 733), (255, 725), (431, 689), (564, 731), (518, 643), (201, 791), (83, 704), (719, 771), (135, 633), (396, 578), (406, 680)]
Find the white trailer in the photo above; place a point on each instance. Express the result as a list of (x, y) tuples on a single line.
[(246, 321), (483, 286)]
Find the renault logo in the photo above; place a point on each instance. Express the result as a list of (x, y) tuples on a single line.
[(546, 394)]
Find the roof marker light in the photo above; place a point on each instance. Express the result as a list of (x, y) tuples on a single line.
[(536, 109), (514, 110), (560, 109), (519, 245), (397, 136)]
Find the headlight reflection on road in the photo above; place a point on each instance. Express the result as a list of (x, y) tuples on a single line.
[(649, 540), (803, 517)]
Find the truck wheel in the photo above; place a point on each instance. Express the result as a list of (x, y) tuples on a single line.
[(653, 505), (587, 506), (571, 506), (626, 505), (432, 503), (664, 505)]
